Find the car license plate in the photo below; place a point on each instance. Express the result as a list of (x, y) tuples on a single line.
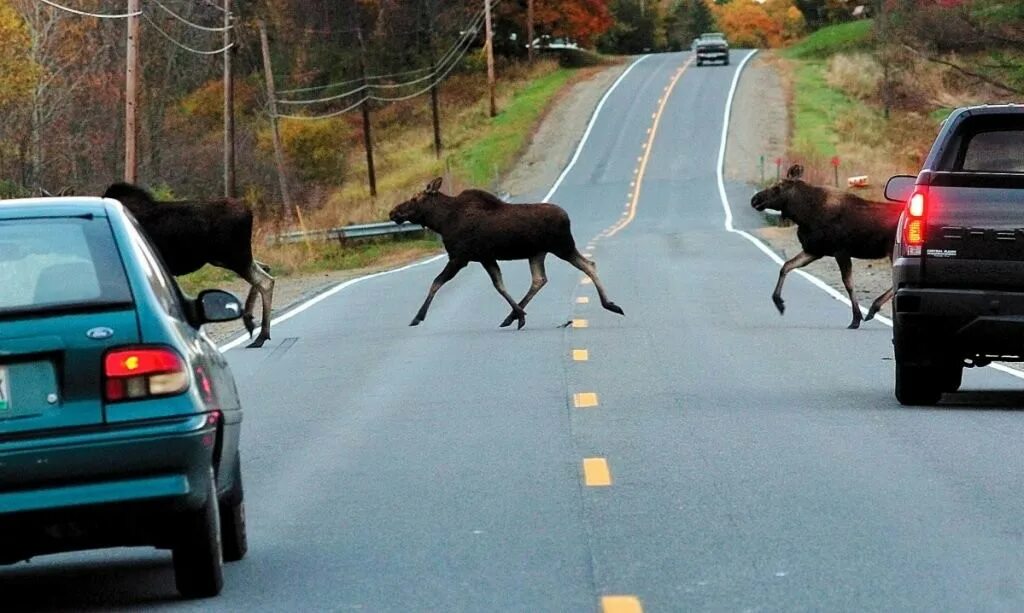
[(5, 391)]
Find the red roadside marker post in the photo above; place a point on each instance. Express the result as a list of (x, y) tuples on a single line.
[(835, 167)]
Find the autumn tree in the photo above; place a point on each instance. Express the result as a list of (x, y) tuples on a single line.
[(686, 20)]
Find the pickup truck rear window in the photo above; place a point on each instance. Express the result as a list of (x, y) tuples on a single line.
[(994, 151), (55, 265)]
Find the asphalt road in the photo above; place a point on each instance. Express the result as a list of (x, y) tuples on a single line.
[(756, 462)]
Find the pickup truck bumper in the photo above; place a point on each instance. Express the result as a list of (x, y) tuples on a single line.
[(968, 323), (712, 55)]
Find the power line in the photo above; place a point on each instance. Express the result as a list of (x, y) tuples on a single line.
[(183, 45), (86, 14), (189, 23), (327, 116)]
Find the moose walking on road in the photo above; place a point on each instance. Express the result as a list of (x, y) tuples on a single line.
[(831, 223), (479, 227), (191, 234)]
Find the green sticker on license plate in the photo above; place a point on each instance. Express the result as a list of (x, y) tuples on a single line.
[(5, 392)]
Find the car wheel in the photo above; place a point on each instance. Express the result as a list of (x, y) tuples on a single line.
[(725, 63), (232, 519), (952, 376), (198, 559), (918, 385)]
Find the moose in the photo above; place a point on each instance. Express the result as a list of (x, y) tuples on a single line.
[(189, 234), (834, 224), (476, 226)]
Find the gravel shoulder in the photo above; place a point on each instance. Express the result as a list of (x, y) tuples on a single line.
[(760, 126), (550, 148)]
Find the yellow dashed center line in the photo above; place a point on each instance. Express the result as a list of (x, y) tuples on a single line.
[(647, 151), (580, 355), (596, 472), (621, 604), (582, 300), (580, 323), (584, 400), (585, 281)]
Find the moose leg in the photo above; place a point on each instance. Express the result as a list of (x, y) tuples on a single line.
[(451, 269), (495, 272), (846, 269), (590, 269), (250, 306), (540, 279), (798, 261), (264, 284), (885, 296)]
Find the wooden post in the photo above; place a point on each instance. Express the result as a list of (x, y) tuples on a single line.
[(490, 56), (268, 72), (434, 93), (230, 188), (529, 30), (131, 96), (367, 128)]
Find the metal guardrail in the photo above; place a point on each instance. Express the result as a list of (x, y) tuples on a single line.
[(369, 230)]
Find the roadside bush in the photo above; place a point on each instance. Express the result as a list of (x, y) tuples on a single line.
[(859, 75)]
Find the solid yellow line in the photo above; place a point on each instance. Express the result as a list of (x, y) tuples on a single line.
[(647, 151), (582, 300), (580, 323), (584, 400), (586, 281), (621, 604), (596, 472), (580, 355)]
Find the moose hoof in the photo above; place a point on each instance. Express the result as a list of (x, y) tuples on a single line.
[(853, 325), (415, 322), (258, 343), (614, 308), (508, 321), (780, 305), (871, 314), (250, 324), (522, 322)]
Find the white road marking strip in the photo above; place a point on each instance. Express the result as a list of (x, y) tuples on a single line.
[(828, 289), (337, 288)]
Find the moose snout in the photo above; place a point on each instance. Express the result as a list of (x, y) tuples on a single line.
[(397, 218), (758, 202)]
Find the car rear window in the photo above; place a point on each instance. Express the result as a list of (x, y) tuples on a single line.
[(59, 264), (994, 151)]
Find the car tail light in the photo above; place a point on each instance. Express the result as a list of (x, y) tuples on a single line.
[(136, 373), (913, 228)]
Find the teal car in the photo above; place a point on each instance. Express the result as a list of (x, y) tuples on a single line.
[(119, 418)]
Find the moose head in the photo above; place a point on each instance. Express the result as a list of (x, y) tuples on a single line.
[(416, 208), (776, 196)]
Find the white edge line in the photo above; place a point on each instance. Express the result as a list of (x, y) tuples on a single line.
[(345, 284), (765, 248)]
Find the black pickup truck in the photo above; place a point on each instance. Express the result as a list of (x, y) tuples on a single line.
[(958, 269)]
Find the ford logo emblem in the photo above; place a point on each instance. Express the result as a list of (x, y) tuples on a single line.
[(98, 334)]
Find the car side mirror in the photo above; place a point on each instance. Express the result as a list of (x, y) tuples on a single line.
[(214, 306), (900, 187)]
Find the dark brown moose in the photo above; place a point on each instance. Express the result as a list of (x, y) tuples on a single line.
[(191, 234), (835, 224), (479, 227)]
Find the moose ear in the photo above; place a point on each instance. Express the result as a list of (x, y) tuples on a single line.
[(795, 172), (434, 186)]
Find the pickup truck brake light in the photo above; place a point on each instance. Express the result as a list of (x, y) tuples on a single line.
[(913, 229)]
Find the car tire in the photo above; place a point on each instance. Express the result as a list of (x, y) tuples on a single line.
[(700, 63), (198, 557), (918, 385), (232, 519), (952, 376), (725, 63)]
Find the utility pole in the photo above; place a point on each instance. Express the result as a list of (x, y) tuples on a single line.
[(490, 56), (434, 104), (268, 71), (131, 95), (529, 30), (367, 128), (229, 107)]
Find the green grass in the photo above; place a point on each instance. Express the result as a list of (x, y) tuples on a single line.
[(504, 137), (816, 109), (850, 36)]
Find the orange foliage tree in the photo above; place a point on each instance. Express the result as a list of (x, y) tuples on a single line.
[(581, 20), (747, 23)]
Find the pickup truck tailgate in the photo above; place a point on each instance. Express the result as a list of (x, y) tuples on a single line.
[(974, 232)]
